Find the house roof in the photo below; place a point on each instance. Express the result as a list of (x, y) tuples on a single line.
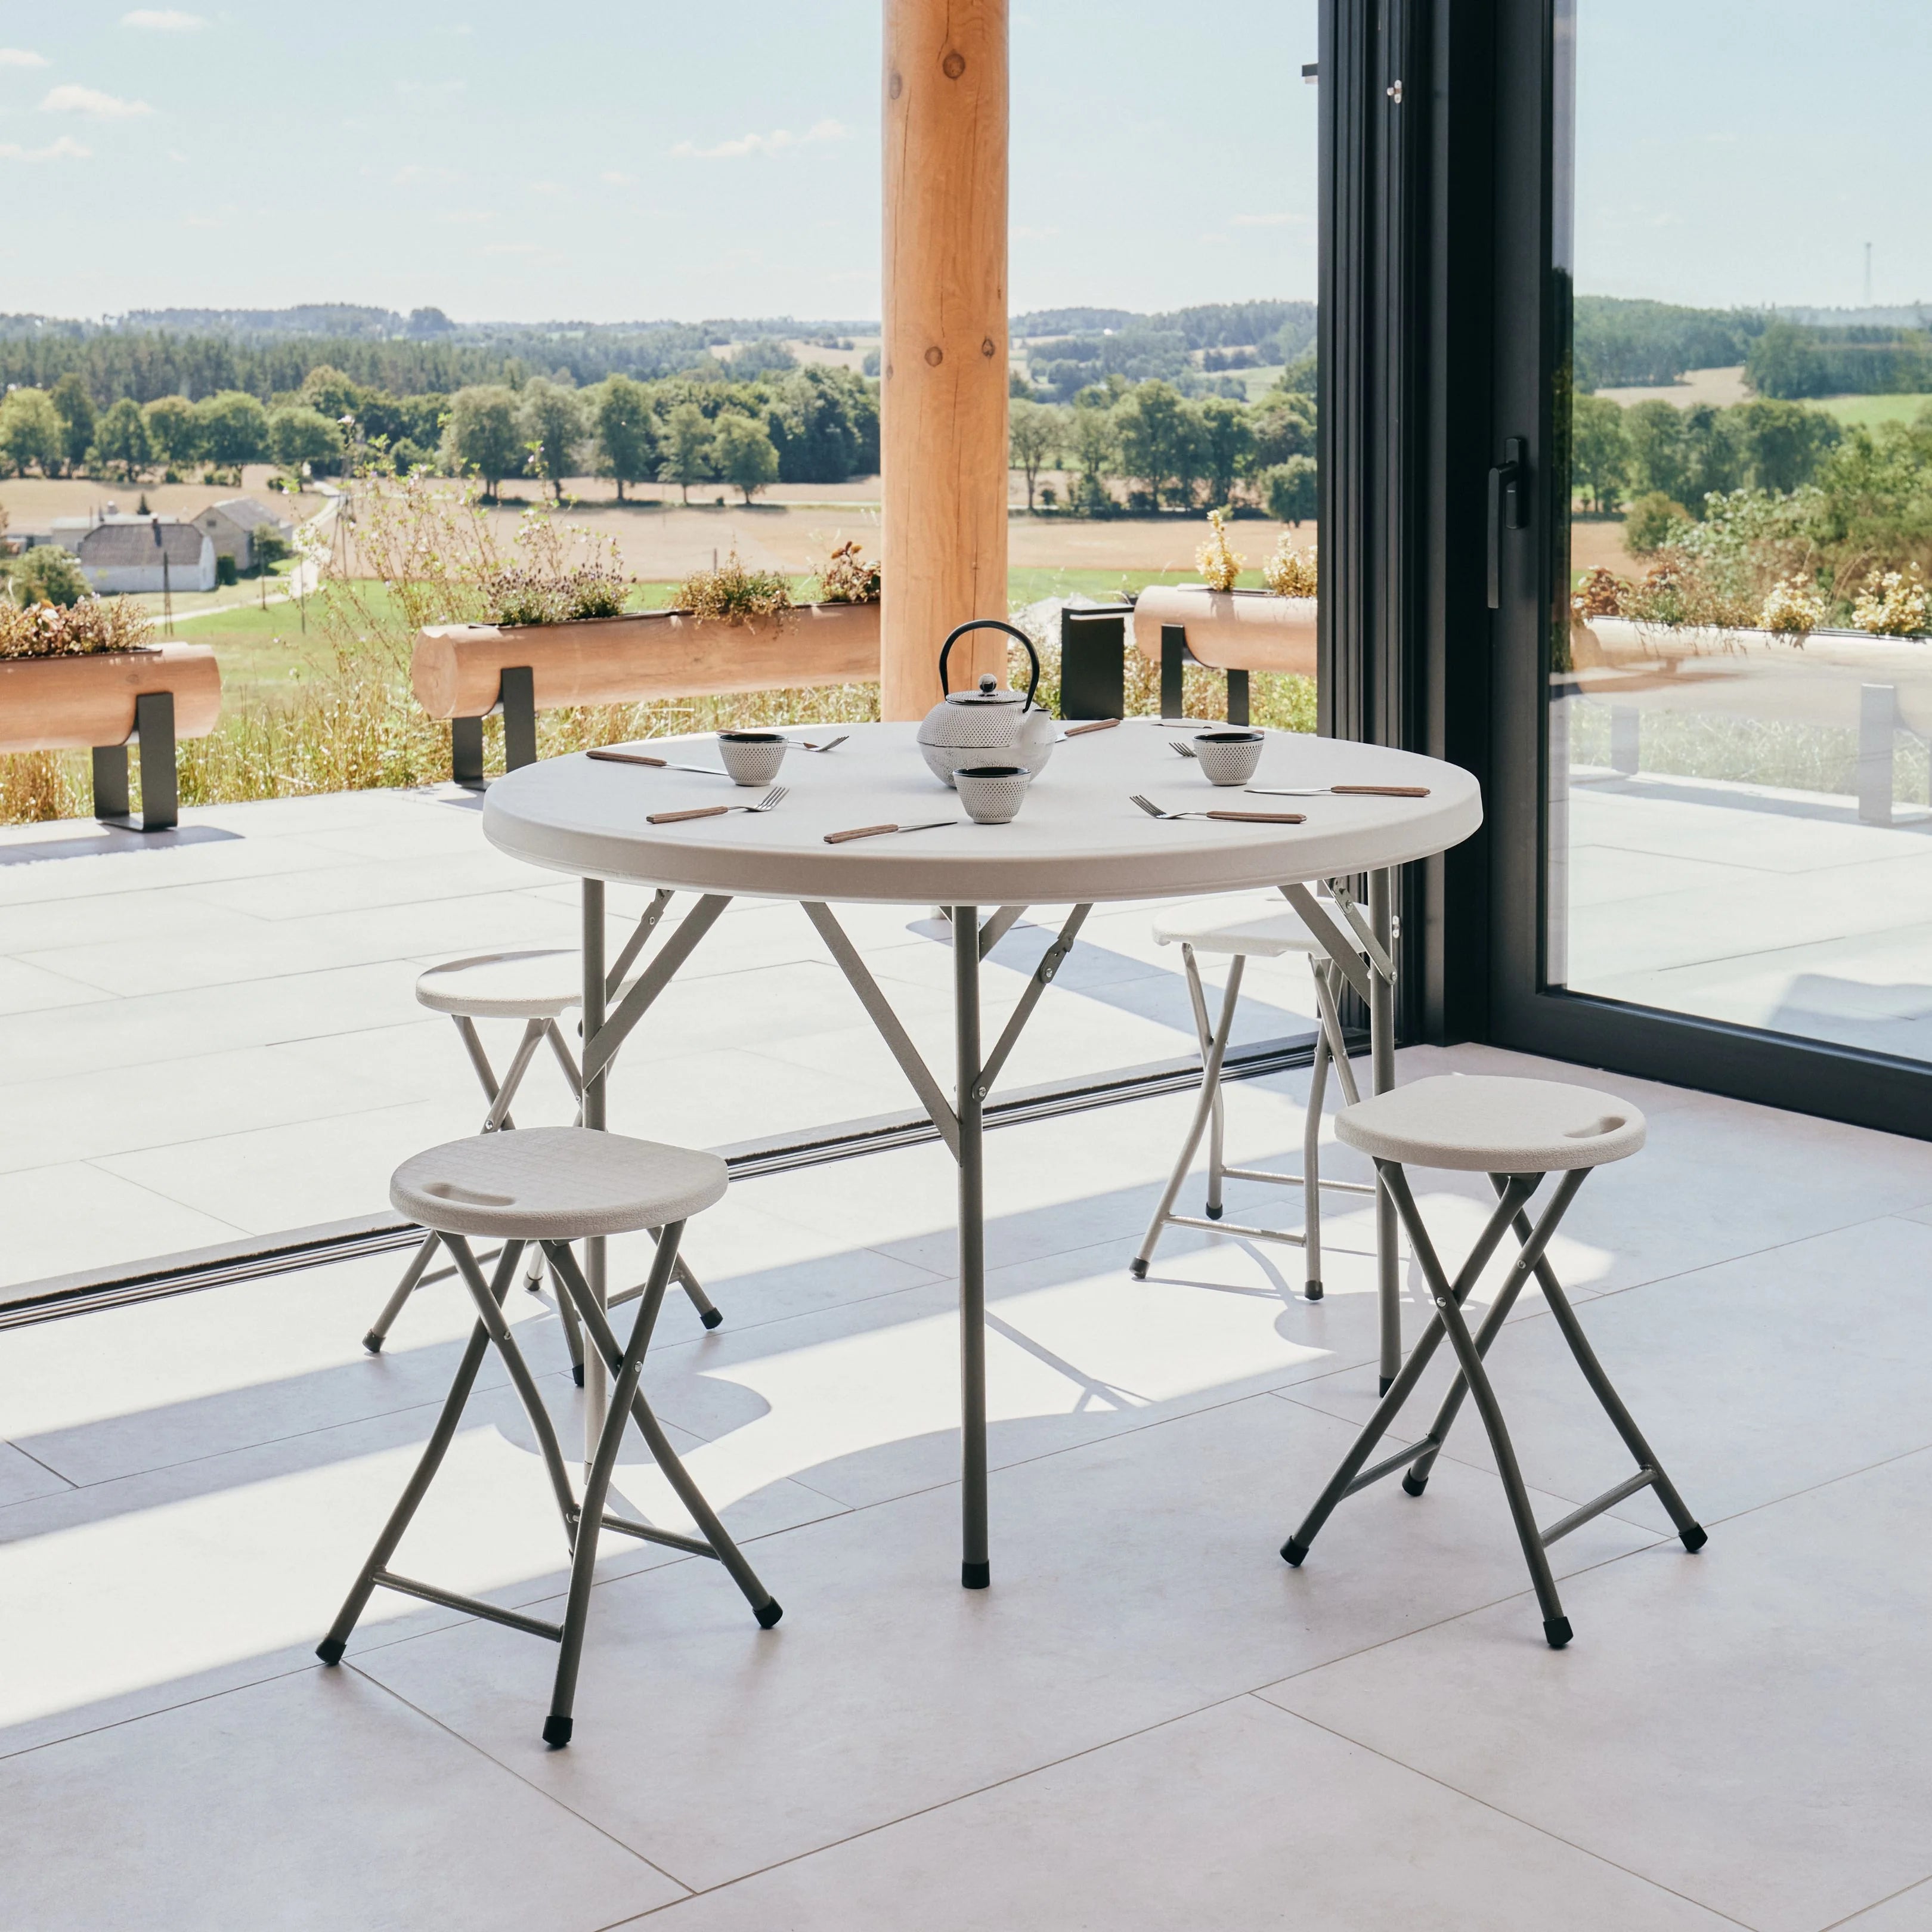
[(246, 511), (127, 542)]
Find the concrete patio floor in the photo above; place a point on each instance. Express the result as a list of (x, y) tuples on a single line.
[(1149, 1721)]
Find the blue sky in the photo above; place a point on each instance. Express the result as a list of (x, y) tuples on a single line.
[(608, 161), (614, 160)]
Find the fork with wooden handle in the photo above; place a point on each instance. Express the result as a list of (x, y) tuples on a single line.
[(775, 797), (1147, 805)]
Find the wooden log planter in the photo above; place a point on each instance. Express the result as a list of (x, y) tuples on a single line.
[(1236, 631), (153, 696), (465, 672), (1848, 679)]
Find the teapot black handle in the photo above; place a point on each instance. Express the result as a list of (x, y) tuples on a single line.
[(992, 624)]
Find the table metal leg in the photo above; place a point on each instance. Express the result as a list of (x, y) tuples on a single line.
[(975, 1567), (1381, 1059), (596, 1378)]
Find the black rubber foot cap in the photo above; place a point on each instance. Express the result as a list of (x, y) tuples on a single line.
[(1292, 1553), (1556, 1630), (557, 1732), (373, 1342), (1213, 1212), (1313, 1290), (1694, 1538), (1384, 1384), (768, 1614), (712, 1318), (1138, 1269), (1414, 1485), (576, 1373), (329, 1651), (976, 1575)]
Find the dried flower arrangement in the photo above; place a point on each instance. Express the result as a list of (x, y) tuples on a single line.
[(1289, 572), (734, 593), (1794, 607), (1218, 562), (89, 629), (847, 578), (1893, 603)]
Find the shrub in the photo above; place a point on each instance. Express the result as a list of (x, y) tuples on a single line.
[(1893, 603), (734, 593), (1289, 572), (1654, 520), (1795, 606), (48, 574), (82, 629), (225, 571), (1219, 563), (1288, 489), (1600, 594), (847, 578)]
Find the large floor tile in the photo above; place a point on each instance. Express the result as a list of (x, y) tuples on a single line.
[(1135, 1580), (32, 989), (318, 1801), (1237, 1818), (1907, 1911), (78, 1213), (1751, 1380), (22, 1478), (1745, 1726)]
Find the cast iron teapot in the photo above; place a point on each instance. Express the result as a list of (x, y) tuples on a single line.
[(968, 724)]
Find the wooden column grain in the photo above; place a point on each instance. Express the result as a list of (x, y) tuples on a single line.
[(943, 401)]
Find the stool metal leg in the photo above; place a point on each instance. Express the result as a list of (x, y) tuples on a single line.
[(1204, 1032), (376, 1570), (1210, 1081), (1311, 1159), (406, 1287), (627, 1403)]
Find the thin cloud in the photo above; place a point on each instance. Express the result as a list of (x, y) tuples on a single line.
[(164, 20), (418, 172), (1259, 220), (776, 142), (92, 102), (21, 57), (67, 148), (430, 90), (617, 177)]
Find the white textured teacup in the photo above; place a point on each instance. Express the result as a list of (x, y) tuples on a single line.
[(992, 794), (1227, 756), (752, 757)]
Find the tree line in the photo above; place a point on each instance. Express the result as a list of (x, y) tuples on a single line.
[(1168, 450)]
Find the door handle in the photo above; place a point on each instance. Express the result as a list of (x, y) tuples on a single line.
[(1509, 508)]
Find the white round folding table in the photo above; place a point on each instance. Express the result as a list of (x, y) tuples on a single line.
[(1080, 840)]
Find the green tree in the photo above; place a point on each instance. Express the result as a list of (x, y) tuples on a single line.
[(744, 455), (1034, 432), (1784, 362), (175, 431), (627, 431), (1782, 444), (1599, 451), (1160, 440), (299, 435), (1284, 425), (550, 418), (327, 390), (1096, 446), (30, 431), (48, 574), (1654, 520), (825, 422), (121, 436), (687, 446), (482, 438), (1288, 489), (75, 408), (1661, 459), (1227, 440), (234, 428)]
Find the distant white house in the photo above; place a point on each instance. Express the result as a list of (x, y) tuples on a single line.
[(232, 526), (146, 553)]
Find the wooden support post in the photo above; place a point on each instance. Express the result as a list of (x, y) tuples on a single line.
[(943, 401)]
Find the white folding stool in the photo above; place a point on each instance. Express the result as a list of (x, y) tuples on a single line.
[(539, 987), (550, 1187), (1255, 928), (1517, 1132)]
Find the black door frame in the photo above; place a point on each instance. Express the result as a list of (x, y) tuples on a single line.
[(1444, 334)]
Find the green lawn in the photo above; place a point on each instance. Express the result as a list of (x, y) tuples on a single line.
[(1870, 411)]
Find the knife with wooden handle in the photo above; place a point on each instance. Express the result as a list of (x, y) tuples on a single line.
[(875, 831)]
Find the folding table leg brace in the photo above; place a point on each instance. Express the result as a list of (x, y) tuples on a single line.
[(1513, 1192), (582, 1521)]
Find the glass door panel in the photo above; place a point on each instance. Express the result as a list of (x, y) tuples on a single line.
[(1740, 680)]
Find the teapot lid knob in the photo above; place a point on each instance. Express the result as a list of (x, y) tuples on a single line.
[(988, 683)]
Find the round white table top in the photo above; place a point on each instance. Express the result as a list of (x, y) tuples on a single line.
[(1079, 838)]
